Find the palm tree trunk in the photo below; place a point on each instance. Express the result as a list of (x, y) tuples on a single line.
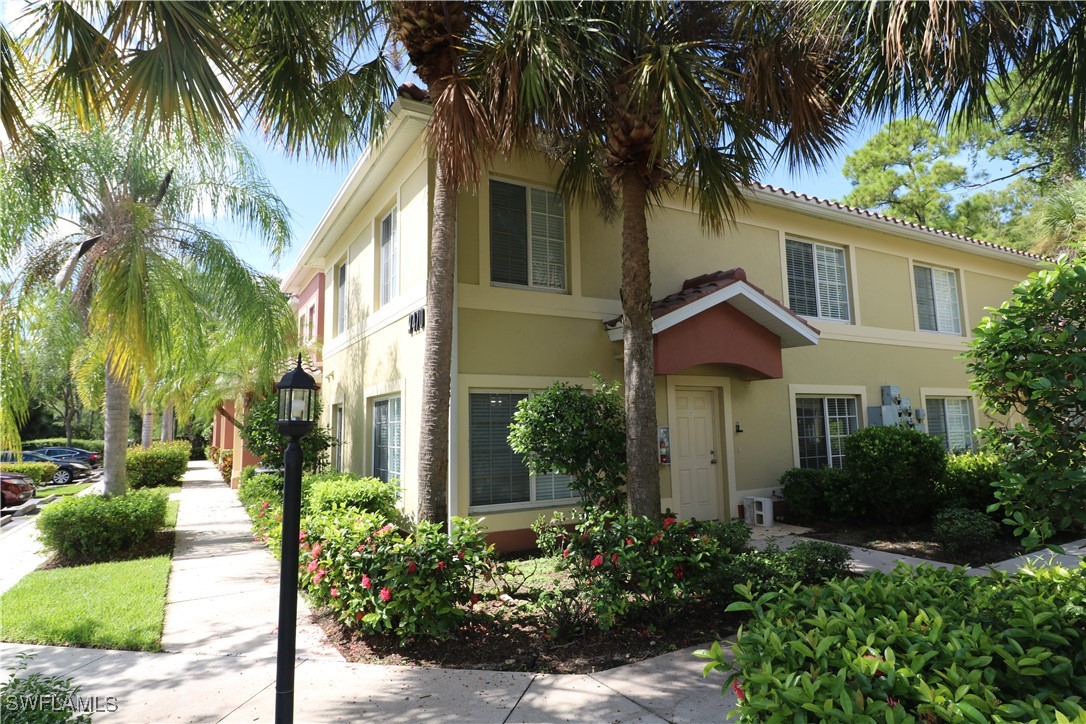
[(643, 472), (437, 354), (168, 424), (147, 434), (116, 434)]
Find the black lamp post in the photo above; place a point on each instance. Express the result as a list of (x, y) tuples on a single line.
[(297, 415)]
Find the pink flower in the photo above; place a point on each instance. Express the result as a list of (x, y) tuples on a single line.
[(319, 575), (441, 565), (668, 522), (629, 541), (301, 534), (316, 550), (655, 540), (411, 567), (565, 552), (383, 529), (738, 690), (385, 594), (597, 561), (460, 555), (891, 701), (614, 558), (366, 582), (312, 566), (335, 592)]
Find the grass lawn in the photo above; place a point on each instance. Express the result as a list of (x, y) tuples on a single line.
[(117, 605), (63, 489)]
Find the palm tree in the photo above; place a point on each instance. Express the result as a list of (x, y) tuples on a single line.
[(641, 100), (148, 272)]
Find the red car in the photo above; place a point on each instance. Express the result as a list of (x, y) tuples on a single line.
[(16, 488)]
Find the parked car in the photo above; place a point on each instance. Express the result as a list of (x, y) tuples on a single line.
[(67, 470), (16, 488), (72, 453)]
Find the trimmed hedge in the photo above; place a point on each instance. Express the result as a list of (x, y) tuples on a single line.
[(98, 446), (38, 472), (93, 528), (918, 644), (161, 464), (971, 480), (345, 491)]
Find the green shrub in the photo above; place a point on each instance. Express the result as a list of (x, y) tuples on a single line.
[(732, 536), (804, 491), (378, 578), (893, 473), (164, 463), (38, 472), (262, 437), (806, 562), (94, 528), (246, 472), (97, 446), (961, 529), (213, 453), (36, 698), (970, 480), (916, 644), (815, 561), (552, 534), (349, 492)]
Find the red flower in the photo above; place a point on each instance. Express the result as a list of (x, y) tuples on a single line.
[(629, 541), (597, 561), (411, 567), (655, 540), (565, 552), (301, 533), (385, 594), (738, 690), (366, 582), (335, 592), (441, 565), (358, 615), (312, 566), (474, 598), (460, 555), (668, 522), (679, 571), (614, 558)]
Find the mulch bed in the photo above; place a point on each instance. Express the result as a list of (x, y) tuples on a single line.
[(915, 540), (496, 640)]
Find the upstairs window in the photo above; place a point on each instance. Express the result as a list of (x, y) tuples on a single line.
[(341, 298), (937, 307), (527, 237), (337, 435), (312, 321), (950, 420), (390, 258), (817, 280), (822, 424)]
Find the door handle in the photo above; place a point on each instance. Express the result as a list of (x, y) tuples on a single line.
[(712, 457)]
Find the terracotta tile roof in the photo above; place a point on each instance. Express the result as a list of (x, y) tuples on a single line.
[(412, 91), (704, 285), (816, 201)]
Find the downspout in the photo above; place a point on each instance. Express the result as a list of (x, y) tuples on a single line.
[(454, 403)]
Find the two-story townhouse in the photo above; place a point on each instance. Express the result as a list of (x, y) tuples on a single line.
[(774, 340)]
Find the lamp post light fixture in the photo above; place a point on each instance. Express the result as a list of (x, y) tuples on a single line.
[(297, 412)]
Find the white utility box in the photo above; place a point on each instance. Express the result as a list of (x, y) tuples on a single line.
[(763, 512)]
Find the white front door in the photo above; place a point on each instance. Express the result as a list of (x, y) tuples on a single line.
[(695, 455)]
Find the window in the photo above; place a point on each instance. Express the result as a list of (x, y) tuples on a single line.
[(341, 298), (949, 419), (822, 424), (387, 439), (527, 237), (390, 258), (312, 321), (817, 280), (498, 475), (337, 433), (301, 328), (937, 300)]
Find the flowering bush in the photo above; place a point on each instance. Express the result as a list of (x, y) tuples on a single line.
[(634, 564), (226, 464), (213, 453), (378, 578)]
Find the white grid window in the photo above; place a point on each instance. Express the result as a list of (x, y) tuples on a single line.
[(341, 298), (337, 431), (937, 306), (822, 424), (390, 258), (817, 280), (527, 237), (498, 475), (387, 439), (950, 419)]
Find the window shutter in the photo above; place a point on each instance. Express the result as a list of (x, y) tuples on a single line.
[(925, 299), (832, 282), (801, 278), (508, 234), (497, 473), (945, 292)]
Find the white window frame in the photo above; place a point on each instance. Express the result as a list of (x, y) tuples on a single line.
[(532, 502), (311, 324), (390, 257), (929, 395), (948, 311), (858, 392), (338, 433), (342, 284), (845, 283), (396, 480), (528, 188)]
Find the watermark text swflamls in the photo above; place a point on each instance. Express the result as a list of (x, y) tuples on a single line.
[(53, 702)]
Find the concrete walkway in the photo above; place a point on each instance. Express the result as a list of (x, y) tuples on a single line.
[(220, 644)]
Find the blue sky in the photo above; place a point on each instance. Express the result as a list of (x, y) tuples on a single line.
[(308, 187)]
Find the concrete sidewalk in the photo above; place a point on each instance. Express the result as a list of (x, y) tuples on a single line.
[(220, 645)]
